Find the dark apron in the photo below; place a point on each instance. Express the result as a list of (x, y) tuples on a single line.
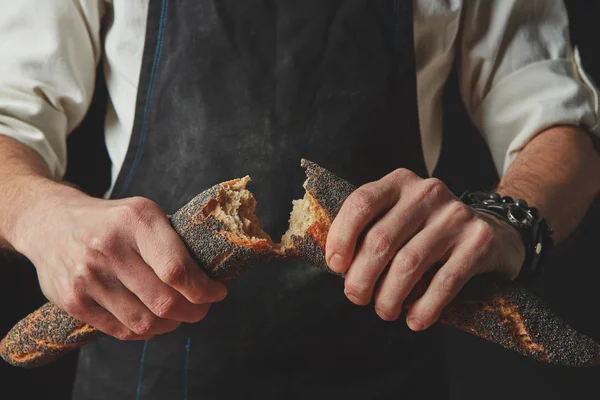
[(230, 88)]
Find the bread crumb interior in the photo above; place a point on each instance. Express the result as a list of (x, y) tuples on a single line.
[(301, 217), (236, 210)]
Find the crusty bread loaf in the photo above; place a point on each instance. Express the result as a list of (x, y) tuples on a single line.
[(43, 336), (223, 234), (311, 217), (506, 313)]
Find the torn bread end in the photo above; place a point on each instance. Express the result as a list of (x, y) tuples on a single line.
[(307, 218), (235, 210)]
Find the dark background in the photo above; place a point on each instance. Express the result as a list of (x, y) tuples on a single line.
[(476, 369)]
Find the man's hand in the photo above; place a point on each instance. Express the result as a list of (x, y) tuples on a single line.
[(411, 224), (115, 264)]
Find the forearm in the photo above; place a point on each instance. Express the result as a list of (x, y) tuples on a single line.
[(24, 180), (559, 173)]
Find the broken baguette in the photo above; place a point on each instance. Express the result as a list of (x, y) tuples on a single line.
[(223, 234)]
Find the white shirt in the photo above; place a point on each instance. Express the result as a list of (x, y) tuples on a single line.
[(518, 72)]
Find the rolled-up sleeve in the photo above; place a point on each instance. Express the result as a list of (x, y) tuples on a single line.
[(49, 51), (519, 74)]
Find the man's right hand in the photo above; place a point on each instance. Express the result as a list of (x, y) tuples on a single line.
[(117, 265)]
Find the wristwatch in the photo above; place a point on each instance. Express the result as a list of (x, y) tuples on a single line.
[(533, 228)]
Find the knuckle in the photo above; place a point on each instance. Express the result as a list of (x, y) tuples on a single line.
[(459, 211), (83, 271), (123, 334), (73, 303), (401, 174), (200, 298), (86, 273), (450, 282), (111, 330), (178, 257), (484, 236), (433, 188), (362, 200), (143, 326), (407, 261), (91, 254), (138, 210), (174, 271), (100, 244), (380, 242), (165, 306), (138, 204)]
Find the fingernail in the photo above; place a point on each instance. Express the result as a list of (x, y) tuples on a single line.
[(383, 315), (415, 324), (336, 263), (352, 297)]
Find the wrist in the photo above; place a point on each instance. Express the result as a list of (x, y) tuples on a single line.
[(35, 198), (511, 253), (533, 229)]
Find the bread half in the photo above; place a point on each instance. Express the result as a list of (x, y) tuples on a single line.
[(222, 232), (312, 215)]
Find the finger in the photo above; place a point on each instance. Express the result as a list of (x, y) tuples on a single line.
[(161, 299), (465, 261), (378, 247), (164, 251), (416, 257), (128, 309), (358, 211), (93, 314), (76, 301)]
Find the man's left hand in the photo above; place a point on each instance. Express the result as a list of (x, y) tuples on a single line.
[(410, 224)]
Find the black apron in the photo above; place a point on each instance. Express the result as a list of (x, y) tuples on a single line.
[(230, 88)]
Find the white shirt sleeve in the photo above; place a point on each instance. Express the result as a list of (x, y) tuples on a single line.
[(49, 50), (519, 74)]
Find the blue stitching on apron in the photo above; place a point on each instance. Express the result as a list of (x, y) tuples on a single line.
[(185, 370), (139, 386), (157, 54)]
